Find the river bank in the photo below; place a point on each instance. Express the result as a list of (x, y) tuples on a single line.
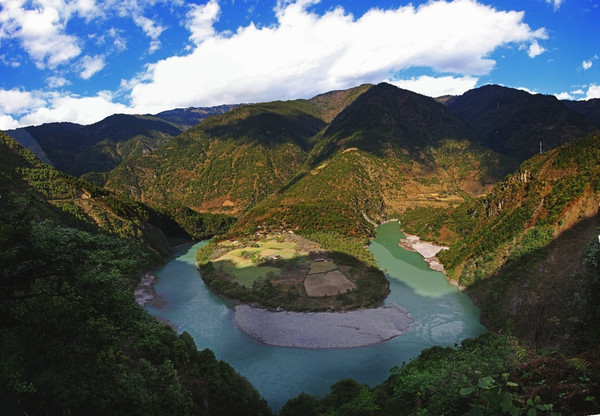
[(321, 330), (144, 293), (426, 249)]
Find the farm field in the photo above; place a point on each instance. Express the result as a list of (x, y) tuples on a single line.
[(290, 272)]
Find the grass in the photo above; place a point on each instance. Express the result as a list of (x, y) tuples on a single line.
[(244, 263), (317, 267), (247, 275)]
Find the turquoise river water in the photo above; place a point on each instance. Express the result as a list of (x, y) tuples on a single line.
[(443, 316)]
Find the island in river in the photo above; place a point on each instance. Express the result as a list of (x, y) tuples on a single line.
[(288, 272)]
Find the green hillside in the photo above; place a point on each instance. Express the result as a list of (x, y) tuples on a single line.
[(514, 122), (72, 339), (387, 151), (71, 201), (518, 249), (226, 163)]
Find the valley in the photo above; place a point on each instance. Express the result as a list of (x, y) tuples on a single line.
[(295, 197)]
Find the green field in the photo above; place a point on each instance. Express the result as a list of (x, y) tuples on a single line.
[(317, 267), (246, 264)]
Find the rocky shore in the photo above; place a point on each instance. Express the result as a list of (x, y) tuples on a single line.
[(144, 292), (323, 329), (428, 250)]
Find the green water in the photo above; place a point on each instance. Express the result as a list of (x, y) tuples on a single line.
[(442, 314)]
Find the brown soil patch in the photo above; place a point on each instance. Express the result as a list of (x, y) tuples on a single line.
[(327, 284)]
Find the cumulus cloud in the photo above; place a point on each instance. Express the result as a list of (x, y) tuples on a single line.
[(437, 87), (303, 53), (593, 91), (7, 122), (535, 49), (588, 63), (57, 81), (41, 32), (40, 28), (25, 108), (564, 96), (200, 20), (91, 65), (73, 108), (15, 101)]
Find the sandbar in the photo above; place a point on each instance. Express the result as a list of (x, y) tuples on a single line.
[(428, 250), (323, 329)]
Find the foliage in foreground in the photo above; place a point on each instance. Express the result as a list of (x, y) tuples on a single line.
[(72, 340), (489, 375)]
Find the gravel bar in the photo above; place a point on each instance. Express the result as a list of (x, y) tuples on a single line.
[(323, 329)]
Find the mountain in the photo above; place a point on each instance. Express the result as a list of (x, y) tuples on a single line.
[(520, 250), (184, 118), (388, 150), (98, 148), (52, 194), (231, 161), (514, 122), (72, 337), (589, 108)]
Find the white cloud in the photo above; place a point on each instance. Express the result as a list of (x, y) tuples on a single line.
[(564, 96), (25, 108), (437, 87), (7, 122), (83, 110), (57, 82), (527, 90), (40, 28), (586, 65), (304, 53), (555, 3), (90, 65), (136, 9), (200, 20), (592, 92), (578, 92), (16, 101), (535, 49)]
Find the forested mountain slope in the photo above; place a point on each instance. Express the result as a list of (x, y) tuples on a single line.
[(72, 339), (52, 194), (77, 149), (514, 122), (232, 161), (518, 250), (388, 150), (589, 108)]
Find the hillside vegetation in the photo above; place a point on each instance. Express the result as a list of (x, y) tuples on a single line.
[(387, 151), (295, 190), (514, 122), (72, 339), (518, 250)]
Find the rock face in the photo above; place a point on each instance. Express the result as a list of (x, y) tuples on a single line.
[(323, 329)]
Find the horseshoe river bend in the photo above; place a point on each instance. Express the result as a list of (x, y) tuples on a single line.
[(433, 312)]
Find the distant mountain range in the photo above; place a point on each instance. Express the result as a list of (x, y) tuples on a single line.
[(79, 149)]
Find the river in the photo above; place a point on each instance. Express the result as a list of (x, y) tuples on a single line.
[(442, 316)]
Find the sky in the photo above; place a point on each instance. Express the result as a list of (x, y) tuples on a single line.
[(83, 60)]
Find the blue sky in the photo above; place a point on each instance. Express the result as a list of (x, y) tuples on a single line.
[(83, 60)]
